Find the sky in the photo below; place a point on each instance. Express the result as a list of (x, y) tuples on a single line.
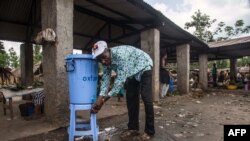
[(180, 12)]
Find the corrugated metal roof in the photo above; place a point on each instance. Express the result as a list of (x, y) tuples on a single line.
[(17, 10), (230, 42), (116, 21), (233, 48)]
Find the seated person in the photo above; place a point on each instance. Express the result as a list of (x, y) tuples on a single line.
[(38, 100), (221, 78)]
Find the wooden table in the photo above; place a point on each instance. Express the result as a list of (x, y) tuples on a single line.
[(9, 94)]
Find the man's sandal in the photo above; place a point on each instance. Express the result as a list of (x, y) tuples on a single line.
[(129, 133), (144, 137)]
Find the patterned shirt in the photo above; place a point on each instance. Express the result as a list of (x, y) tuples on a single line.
[(126, 61)]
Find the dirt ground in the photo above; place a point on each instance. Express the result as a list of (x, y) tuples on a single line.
[(193, 117)]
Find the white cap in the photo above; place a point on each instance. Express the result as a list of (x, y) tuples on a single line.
[(98, 48)]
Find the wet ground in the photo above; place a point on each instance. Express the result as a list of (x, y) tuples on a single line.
[(193, 117)]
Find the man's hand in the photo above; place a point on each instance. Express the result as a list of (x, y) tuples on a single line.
[(98, 104)]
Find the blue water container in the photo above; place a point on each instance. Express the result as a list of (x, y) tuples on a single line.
[(82, 72)]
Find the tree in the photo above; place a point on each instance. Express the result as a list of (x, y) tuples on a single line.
[(222, 63), (244, 61), (5, 71), (2, 47), (37, 55), (13, 58), (219, 63), (231, 31), (4, 58), (194, 66), (201, 22)]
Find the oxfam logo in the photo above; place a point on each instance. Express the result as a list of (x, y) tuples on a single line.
[(89, 78)]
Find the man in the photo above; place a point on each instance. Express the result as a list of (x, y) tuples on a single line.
[(164, 77), (214, 74), (133, 66)]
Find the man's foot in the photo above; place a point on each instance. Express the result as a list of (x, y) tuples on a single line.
[(145, 137), (129, 133)]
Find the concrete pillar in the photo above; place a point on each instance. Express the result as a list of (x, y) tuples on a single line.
[(58, 15), (150, 43), (233, 67), (203, 80), (183, 67), (26, 60)]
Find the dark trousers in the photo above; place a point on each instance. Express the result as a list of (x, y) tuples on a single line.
[(214, 80), (134, 88)]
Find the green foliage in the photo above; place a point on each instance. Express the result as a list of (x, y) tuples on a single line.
[(4, 58), (37, 55), (194, 66), (243, 61), (231, 31), (9, 59), (202, 23), (13, 58), (19, 86), (222, 63), (2, 47), (37, 83), (210, 64)]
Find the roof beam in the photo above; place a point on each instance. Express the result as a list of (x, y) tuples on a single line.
[(228, 49), (142, 22), (97, 38), (111, 10), (132, 33), (30, 29), (139, 5), (178, 43), (102, 17), (96, 35), (11, 39), (85, 35), (129, 19), (163, 35), (19, 23)]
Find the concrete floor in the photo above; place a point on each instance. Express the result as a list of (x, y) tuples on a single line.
[(19, 128)]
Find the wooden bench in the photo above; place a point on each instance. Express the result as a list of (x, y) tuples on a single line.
[(9, 94)]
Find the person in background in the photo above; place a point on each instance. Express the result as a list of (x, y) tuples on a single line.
[(227, 75), (214, 74), (38, 100), (164, 77), (239, 77), (221, 78), (134, 66), (37, 104)]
